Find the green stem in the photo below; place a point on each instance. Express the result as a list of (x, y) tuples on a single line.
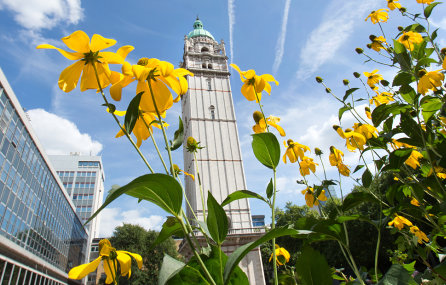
[(355, 268), (273, 225), (261, 110), (378, 244), (154, 142), (201, 187), (119, 124), (185, 198)]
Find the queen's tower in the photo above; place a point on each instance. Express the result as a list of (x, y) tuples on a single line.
[(208, 116)]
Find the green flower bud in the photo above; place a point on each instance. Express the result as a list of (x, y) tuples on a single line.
[(402, 9), (345, 81), (192, 145), (400, 28), (356, 74), (257, 115), (384, 83), (319, 80), (372, 37), (443, 51), (359, 50), (318, 151), (328, 90), (369, 45), (421, 73)]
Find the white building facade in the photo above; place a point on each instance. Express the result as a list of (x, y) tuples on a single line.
[(208, 116), (83, 178)]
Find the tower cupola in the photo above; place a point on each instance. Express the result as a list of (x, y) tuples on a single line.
[(198, 31)]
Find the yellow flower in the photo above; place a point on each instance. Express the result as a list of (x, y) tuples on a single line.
[(373, 78), (109, 255), (306, 165), (335, 158), (141, 130), (393, 4), (368, 131), (368, 113), (425, 1), (415, 202), (413, 160), (178, 171), (353, 140), (396, 144), (87, 53), (254, 84), (409, 39), (430, 81), (260, 126), (419, 234), (280, 251), (294, 150), (381, 98), (378, 16), (377, 43), (399, 222), (440, 171), (310, 199)]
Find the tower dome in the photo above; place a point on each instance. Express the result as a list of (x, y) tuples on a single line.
[(199, 31)]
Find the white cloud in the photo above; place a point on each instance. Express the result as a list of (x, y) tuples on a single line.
[(231, 16), (37, 14), (339, 21), (114, 217), (61, 136), (281, 40)]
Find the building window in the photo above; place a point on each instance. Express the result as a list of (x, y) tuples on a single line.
[(209, 84), (212, 109), (203, 65), (204, 49), (210, 66)]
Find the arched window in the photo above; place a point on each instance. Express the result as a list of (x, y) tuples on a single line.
[(204, 49), (212, 109), (210, 66), (203, 65)]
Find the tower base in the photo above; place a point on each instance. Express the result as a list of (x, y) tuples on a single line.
[(251, 264)]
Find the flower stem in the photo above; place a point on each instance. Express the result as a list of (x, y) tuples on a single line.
[(261, 110), (119, 124), (273, 225)]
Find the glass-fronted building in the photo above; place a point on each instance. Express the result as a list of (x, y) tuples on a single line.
[(41, 237), (83, 178)]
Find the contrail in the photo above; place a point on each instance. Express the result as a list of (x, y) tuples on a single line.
[(231, 26), (281, 40)]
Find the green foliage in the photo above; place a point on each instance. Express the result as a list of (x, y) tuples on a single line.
[(134, 238), (312, 268), (178, 136), (217, 220), (397, 275), (242, 194), (132, 114), (266, 149)]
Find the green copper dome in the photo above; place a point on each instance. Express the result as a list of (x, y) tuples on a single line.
[(199, 31)]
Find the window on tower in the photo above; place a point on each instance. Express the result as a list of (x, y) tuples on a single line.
[(210, 66), (209, 84), (212, 109), (204, 49), (203, 65)]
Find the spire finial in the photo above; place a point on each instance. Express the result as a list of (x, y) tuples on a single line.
[(198, 18)]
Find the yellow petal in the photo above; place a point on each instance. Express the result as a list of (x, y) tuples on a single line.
[(83, 270), (110, 57), (124, 51), (67, 54), (249, 93), (109, 268), (166, 68), (78, 41), (70, 76), (259, 84), (136, 256), (115, 77), (233, 65), (125, 261), (89, 81), (269, 78), (98, 42)]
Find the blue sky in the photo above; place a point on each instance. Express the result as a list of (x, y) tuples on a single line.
[(293, 40)]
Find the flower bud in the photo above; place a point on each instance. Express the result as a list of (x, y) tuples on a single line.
[(421, 73), (345, 81), (319, 80), (369, 45), (318, 151), (328, 90), (289, 142), (359, 50), (372, 37), (443, 51), (191, 144), (257, 115), (336, 127), (356, 74), (385, 83), (402, 9)]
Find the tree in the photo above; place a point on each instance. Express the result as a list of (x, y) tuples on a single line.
[(136, 239)]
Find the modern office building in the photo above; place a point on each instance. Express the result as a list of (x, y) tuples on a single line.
[(83, 178), (209, 117), (41, 237)]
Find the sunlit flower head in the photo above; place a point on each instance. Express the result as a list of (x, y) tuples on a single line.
[(307, 164), (179, 170), (192, 145), (260, 126), (373, 78), (378, 16), (377, 43), (393, 4), (254, 84), (368, 113), (399, 222), (430, 81), (414, 159), (87, 53), (440, 172), (310, 199), (110, 258), (294, 150), (282, 255), (425, 1), (409, 39), (353, 140), (336, 159), (419, 234), (381, 98), (368, 131), (415, 202)]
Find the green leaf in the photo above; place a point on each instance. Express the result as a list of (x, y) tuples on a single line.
[(434, 34), (203, 228), (408, 93), (269, 189), (348, 92), (356, 198), (401, 56), (428, 9), (170, 227), (242, 194), (423, 63), (161, 189), (403, 78), (411, 128), (383, 111), (169, 268), (178, 136), (342, 111), (358, 167), (397, 275), (243, 250), (132, 114), (397, 158), (188, 275), (217, 220), (266, 149), (430, 107), (419, 50), (111, 107), (366, 178), (398, 47), (312, 268)]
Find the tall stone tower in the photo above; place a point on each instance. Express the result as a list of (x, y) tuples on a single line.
[(208, 116)]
